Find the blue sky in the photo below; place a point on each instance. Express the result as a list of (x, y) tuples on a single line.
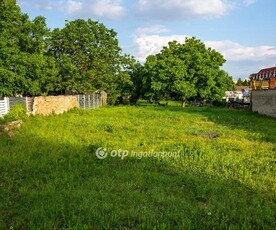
[(244, 31)]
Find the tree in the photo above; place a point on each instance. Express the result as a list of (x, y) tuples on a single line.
[(24, 69), (11, 20), (187, 71), (89, 58), (239, 82), (80, 58), (137, 76), (246, 82), (168, 74)]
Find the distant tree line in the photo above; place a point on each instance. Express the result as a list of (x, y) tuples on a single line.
[(85, 56), (241, 82)]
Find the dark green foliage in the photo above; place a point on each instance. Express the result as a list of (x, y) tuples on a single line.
[(24, 69), (85, 52), (8, 82), (89, 58), (82, 57), (240, 82), (188, 71), (139, 87)]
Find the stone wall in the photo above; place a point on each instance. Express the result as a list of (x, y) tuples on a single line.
[(264, 102), (104, 98), (53, 104)]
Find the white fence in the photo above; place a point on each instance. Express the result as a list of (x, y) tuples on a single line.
[(8, 102), (4, 106)]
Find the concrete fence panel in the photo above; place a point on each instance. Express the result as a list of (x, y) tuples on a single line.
[(264, 102)]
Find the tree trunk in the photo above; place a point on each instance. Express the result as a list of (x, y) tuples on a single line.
[(183, 103)]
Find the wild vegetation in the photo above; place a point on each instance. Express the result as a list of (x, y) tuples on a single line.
[(222, 172), (223, 176)]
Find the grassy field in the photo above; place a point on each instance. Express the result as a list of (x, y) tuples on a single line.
[(222, 177)]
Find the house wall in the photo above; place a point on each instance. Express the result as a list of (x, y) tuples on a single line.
[(264, 102)]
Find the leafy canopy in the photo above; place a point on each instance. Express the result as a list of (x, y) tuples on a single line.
[(82, 57), (186, 71), (89, 58), (24, 69)]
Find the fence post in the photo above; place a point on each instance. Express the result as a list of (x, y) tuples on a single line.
[(98, 100), (27, 106), (101, 99), (7, 104), (93, 100)]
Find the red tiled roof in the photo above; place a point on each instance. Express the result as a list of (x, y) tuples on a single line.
[(241, 88), (268, 70), (264, 74)]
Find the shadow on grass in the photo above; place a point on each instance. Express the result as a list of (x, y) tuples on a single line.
[(51, 185), (231, 118)]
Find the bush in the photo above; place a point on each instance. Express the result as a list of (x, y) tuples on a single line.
[(18, 111)]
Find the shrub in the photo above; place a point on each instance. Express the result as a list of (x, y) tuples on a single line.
[(18, 111)]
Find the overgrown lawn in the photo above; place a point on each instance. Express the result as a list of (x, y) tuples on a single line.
[(223, 176)]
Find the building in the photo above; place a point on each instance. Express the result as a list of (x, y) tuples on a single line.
[(240, 88), (263, 95), (264, 79), (240, 94)]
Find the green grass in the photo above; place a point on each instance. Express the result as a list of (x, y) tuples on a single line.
[(50, 177)]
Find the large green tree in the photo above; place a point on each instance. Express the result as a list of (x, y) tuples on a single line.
[(187, 71), (24, 69), (89, 58)]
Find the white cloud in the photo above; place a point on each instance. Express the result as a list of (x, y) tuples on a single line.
[(148, 42), (154, 29), (152, 44), (236, 52), (73, 6), (188, 9), (108, 9), (49, 5), (249, 2)]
